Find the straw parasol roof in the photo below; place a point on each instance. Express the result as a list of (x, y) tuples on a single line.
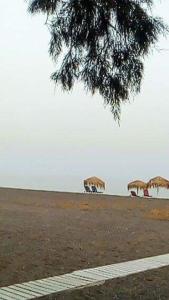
[(137, 184), (158, 182), (95, 181)]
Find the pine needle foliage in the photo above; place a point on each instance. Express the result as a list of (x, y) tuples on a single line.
[(104, 44)]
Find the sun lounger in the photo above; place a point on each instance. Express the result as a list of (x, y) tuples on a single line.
[(94, 189), (87, 189), (133, 194), (146, 194)]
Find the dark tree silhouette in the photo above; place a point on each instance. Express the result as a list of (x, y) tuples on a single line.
[(101, 43)]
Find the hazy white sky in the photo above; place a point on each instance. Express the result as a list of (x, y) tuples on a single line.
[(50, 139)]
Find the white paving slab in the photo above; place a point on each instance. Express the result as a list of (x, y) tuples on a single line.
[(80, 279)]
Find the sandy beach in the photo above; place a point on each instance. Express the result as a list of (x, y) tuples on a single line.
[(45, 234)]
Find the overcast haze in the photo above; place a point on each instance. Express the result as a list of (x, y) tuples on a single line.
[(52, 140)]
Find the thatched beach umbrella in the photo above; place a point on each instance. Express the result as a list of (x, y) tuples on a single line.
[(137, 184), (97, 182), (158, 182)]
